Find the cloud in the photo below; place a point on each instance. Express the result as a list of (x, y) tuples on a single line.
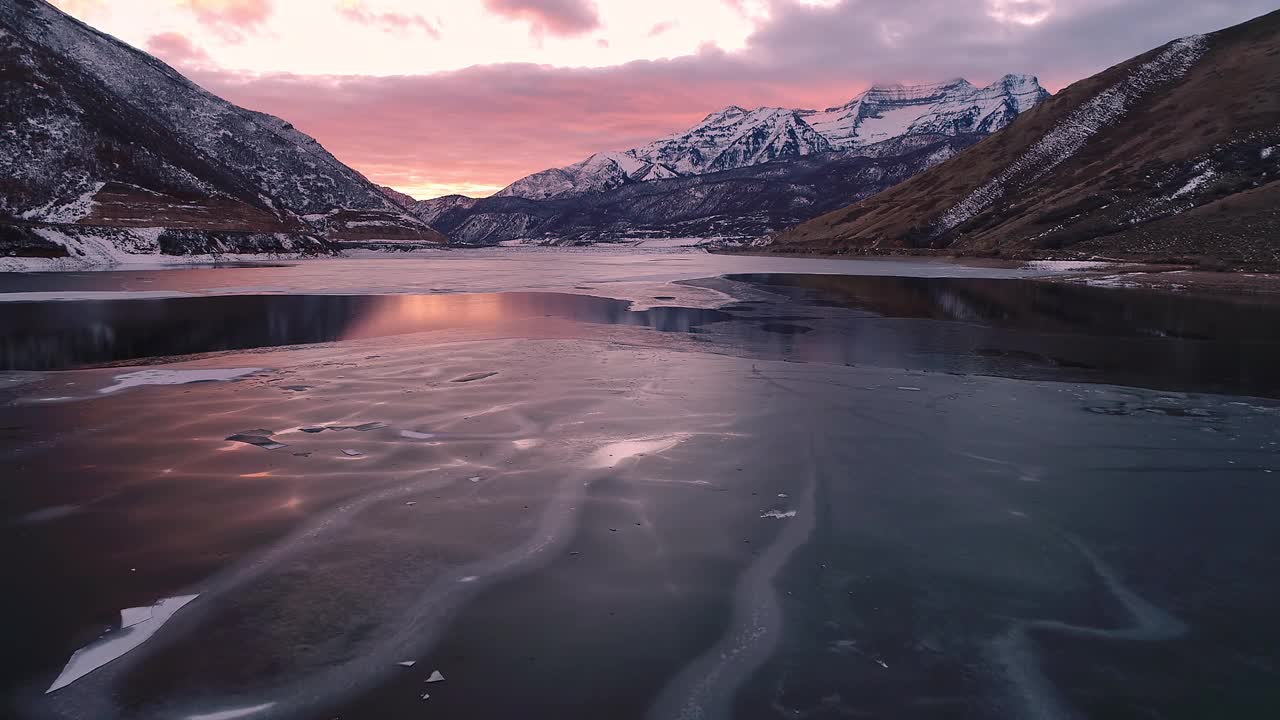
[(178, 50), (1022, 12), (549, 17), (662, 27), (485, 126), (231, 19), (356, 11)]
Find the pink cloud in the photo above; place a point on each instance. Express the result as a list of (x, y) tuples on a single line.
[(662, 27), (356, 11), (490, 125), (549, 17), (178, 50), (230, 18)]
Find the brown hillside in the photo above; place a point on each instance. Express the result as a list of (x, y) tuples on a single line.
[(1127, 192)]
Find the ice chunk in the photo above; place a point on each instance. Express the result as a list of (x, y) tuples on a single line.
[(116, 643), (352, 453), (175, 377), (436, 676), (132, 616), (613, 453), (415, 435), (407, 663), (908, 388), (259, 438), (779, 514)]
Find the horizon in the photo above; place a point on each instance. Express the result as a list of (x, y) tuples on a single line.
[(581, 77)]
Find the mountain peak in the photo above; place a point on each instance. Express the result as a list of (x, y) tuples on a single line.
[(734, 137)]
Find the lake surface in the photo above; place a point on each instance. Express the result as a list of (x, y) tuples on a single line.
[(656, 486)]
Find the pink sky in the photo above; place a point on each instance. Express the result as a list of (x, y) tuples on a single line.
[(449, 96)]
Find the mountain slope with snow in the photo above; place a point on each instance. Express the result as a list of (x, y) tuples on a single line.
[(735, 137), (101, 134), (1173, 154)]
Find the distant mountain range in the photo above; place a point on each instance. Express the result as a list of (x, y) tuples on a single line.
[(743, 172), (1174, 154), (108, 151)]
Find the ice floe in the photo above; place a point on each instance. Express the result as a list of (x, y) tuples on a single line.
[(118, 642), (175, 377), (616, 452)]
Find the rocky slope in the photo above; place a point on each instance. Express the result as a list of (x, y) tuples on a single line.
[(735, 137), (1174, 154), (107, 145)]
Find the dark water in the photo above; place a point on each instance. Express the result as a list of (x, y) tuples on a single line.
[(58, 335), (1013, 328), (1021, 328)]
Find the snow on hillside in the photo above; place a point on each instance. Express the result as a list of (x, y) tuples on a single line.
[(736, 137), (1068, 137)]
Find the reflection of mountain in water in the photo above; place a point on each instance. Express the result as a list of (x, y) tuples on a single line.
[(52, 335), (1019, 328)]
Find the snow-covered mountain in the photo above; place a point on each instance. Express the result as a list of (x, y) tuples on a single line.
[(1171, 155), (100, 134), (735, 137), (885, 112)]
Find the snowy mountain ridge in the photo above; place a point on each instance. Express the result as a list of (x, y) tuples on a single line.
[(735, 137), (105, 135)]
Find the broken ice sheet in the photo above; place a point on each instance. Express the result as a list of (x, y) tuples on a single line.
[(259, 438), (135, 630)]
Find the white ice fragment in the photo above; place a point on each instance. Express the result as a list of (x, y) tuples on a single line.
[(469, 578), (132, 616), (778, 514), (782, 495), (233, 713), (425, 696), (352, 453), (407, 663), (436, 676), (415, 435), (175, 377), (616, 452), (474, 479), (116, 643), (909, 388)]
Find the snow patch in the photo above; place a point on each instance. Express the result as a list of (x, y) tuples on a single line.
[(1068, 137)]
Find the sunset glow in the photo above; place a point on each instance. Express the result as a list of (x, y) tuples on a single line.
[(435, 98)]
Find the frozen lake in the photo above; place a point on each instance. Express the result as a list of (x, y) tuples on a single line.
[(667, 484)]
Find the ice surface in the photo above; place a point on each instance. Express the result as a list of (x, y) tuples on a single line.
[(116, 643)]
